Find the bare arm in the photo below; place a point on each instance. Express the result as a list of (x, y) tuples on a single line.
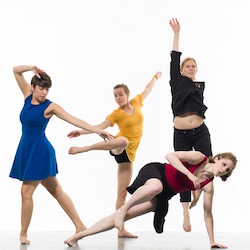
[(208, 216), (77, 133), (176, 29), (191, 157), (150, 85), (22, 83), (62, 114)]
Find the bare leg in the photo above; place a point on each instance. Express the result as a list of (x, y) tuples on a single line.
[(108, 222), (27, 190), (55, 189), (124, 175), (118, 144), (145, 193), (186, 217)]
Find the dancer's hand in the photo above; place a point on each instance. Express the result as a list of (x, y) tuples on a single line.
[(37, 71), (158, 75), (175, 25), (195, 180), (105, 135), (74, 133)]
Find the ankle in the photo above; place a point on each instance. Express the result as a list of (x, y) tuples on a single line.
[(23, 233), (80, 228)]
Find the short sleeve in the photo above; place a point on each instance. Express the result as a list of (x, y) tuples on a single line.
[(137, 99), (113, 117)]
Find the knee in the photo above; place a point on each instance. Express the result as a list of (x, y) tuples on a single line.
[(26, 194), (154, 190), (122, 142), (56, 192)]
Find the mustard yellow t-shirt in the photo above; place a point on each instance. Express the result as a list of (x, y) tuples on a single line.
[(130, 126)]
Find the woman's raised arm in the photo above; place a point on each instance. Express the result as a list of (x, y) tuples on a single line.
[(22, 83), (176, 29)]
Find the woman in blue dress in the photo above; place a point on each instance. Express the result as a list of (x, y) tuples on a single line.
[(35, 160)]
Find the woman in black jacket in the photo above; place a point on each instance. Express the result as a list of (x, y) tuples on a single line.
[(190, 131)]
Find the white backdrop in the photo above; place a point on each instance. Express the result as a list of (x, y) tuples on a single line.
[(89, 46)]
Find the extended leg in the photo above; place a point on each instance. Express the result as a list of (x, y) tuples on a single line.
[(108, 222), (117, 145), (55, 189)]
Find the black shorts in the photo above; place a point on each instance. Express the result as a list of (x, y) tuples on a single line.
[(121, 157), (149, 171)]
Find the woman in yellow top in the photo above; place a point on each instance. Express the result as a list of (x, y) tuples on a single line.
[(123, 147)]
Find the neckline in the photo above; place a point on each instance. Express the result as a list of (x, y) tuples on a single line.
[(128, 113), (38, 104), (31, 96)]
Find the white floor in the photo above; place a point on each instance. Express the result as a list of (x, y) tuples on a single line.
[(109, 241)]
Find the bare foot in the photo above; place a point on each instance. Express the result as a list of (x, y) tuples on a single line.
[(193, 203), (196, 196), (186, 223), (125, 234), (77, 150), (24, 240), (119, 218), (71, 241)]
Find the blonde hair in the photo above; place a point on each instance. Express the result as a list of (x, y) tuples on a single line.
[(122, 85), (228, 156), (185, 60)]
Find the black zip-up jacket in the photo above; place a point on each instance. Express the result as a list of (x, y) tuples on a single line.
[(187, 95)]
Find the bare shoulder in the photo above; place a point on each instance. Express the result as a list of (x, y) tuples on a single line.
[(53, 108)]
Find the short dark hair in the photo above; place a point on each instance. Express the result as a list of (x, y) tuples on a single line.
[(44, 81)]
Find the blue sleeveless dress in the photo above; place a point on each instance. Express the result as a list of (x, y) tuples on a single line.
[(35, 158)]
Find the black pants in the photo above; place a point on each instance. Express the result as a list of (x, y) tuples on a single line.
[(197, 139)]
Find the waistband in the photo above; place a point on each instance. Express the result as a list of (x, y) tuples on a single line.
[(201, 127)]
